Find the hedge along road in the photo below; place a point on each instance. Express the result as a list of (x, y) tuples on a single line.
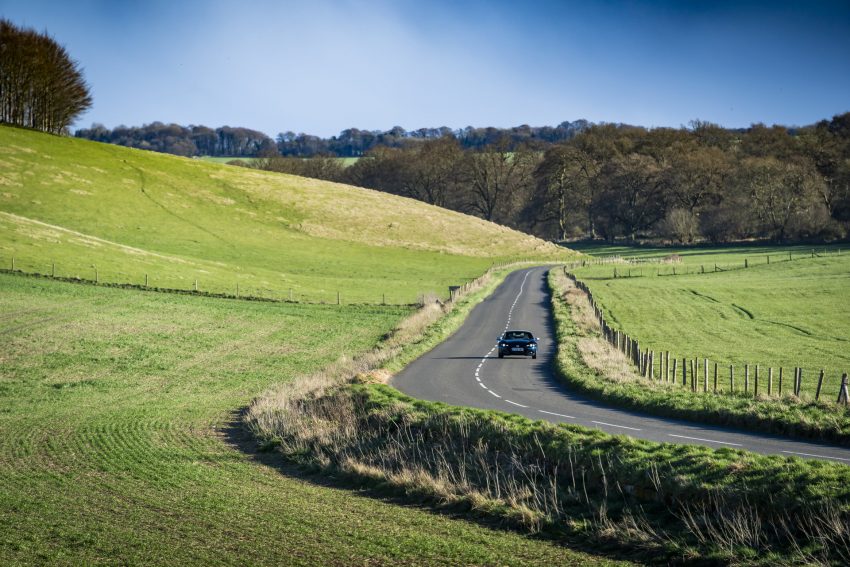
[(465, 370)]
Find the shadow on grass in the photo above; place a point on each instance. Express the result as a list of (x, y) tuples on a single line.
[(237, 436)]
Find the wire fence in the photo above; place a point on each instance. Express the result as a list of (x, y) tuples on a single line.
[(192, 285), (699, 374), (672, 265)]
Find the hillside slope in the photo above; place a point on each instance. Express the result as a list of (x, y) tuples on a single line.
[(85, 206)]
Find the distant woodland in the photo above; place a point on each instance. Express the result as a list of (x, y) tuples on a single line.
[(685, 185), (243, 142), (576, 180)]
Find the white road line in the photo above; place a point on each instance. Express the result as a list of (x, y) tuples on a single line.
[(516, 404), (482, 385), (494, 393), (558, 414), (477, 379), (705, 440), (816, 456), (615, 425)]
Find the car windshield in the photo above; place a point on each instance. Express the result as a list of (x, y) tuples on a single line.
[(518, 335)]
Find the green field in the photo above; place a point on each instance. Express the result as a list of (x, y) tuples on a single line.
[(345, 161), (118, 214), (224, 159), (115, 445), (784, 314)]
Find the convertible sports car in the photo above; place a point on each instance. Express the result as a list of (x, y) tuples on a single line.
[(517, 343)]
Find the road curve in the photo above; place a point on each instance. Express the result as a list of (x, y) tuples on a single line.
[(465, 370)]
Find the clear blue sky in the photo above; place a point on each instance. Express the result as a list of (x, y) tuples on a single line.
[(322, 66)]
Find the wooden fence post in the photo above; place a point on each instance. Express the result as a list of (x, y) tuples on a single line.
[(799, 382), (780, 382), (667, 367), (337, 298), (715, 377), (756, 383), (820, 383), (53, 270), (746, 378), (96, 276), (652, 365), (694, 371), (196, 285), (146, 280), (770, 381), (684, 372), (731, 378), (842, 390), (746, 263)]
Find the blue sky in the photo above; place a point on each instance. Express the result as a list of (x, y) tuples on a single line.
[(322, 66)]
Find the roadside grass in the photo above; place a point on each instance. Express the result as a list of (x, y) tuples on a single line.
[(591, 365), (784, 314), (120, 214), (654, 502), (118, 427)]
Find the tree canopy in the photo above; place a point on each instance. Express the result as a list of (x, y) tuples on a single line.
[(41, 87)]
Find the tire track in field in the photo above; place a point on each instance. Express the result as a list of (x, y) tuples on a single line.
[(143, 188)]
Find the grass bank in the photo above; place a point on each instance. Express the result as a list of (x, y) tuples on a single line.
[(118, 427)]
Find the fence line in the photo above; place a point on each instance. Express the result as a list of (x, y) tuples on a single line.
[(645, 362), (239, 290), (689, 270)]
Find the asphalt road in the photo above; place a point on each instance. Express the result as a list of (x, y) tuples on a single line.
[(465, 370)]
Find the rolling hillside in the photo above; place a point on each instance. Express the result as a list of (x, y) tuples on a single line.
[(88, 206)]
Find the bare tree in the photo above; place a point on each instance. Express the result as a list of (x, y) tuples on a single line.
[(498, 180)]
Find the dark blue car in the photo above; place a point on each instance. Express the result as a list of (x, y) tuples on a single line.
[(519, 343)]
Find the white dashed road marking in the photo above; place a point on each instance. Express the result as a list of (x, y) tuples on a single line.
[(615, 425), (706, 440), (816, 456), (557, 414)]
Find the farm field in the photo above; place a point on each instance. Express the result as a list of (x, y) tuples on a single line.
[(787, 313), (116, 447), (89, 210), (223, 159)]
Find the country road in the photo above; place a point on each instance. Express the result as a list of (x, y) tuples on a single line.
[(465, 370)]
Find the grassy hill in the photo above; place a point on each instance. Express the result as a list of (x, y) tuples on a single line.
[(126, 213)]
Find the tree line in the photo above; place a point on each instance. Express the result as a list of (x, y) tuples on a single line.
[(696, 183), (186, 141), (242, 142), (41, 87)]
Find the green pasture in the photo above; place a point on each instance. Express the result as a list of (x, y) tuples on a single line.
[(787, 313), (83, 209), (224, 159), (117, 441)]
